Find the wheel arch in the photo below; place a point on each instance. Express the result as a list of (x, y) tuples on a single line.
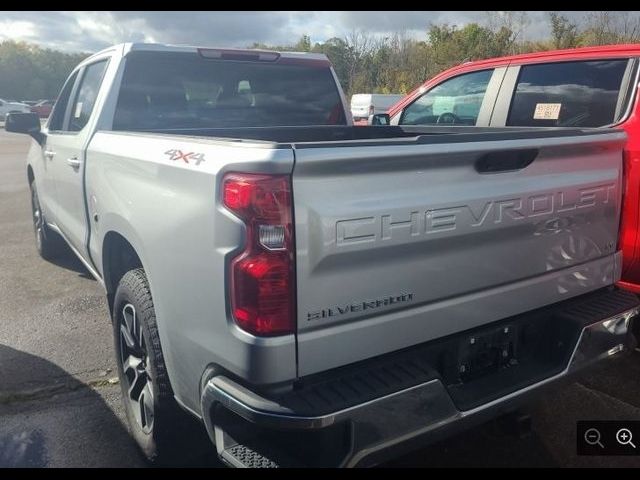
[(119, 247), (118, 257)]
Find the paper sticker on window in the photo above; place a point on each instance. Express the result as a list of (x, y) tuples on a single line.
[(78, 111), (547, 111)]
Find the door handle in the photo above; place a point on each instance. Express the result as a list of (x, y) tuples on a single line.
[(73, 163), (49, 154)]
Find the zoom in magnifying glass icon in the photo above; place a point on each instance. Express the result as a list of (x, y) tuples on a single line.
[(624, 437)]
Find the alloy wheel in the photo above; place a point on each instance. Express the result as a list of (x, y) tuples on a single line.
[(37, 219), (135, 365)]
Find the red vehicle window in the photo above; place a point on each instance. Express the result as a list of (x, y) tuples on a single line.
[(568, 94), (454, 101)]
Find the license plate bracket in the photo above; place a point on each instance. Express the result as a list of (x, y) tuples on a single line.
[(487, 351)]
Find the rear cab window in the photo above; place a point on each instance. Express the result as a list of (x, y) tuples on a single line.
[(569, 94), (166, 90)]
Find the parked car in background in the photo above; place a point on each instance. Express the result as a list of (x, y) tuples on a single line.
[(43, 108), (12, 107), (365, 104), (582, 87)]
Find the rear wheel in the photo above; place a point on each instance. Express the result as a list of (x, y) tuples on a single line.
[(49, 244), (165, 433)]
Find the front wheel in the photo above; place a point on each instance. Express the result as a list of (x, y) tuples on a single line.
[(49, 244), (164, 432)]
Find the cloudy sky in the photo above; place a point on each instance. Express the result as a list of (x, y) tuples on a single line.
[(91, 31)]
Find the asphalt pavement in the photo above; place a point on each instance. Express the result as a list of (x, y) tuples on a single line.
[(60, 402)]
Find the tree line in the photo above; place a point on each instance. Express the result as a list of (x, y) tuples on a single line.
[(398, 63), (29, 72), (365, 63)]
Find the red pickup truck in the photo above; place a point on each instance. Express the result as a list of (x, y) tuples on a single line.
[(582, 87)]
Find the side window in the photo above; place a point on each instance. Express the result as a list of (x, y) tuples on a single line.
[(455, 101), (58, 114), (569, 94), (87, 94)]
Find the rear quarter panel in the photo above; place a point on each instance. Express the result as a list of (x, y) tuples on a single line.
[(169, 211)]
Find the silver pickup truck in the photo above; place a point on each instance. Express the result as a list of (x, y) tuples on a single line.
[(316, 293)]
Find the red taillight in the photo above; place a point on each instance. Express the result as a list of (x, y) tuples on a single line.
[(628, 238), (262, 275)]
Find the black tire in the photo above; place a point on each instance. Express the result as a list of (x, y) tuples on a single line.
[(48, 243), (169, 435)]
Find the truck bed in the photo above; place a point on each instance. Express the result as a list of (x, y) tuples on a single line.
[(311, 136)]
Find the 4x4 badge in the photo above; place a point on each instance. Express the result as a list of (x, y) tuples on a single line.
[(179, 155)]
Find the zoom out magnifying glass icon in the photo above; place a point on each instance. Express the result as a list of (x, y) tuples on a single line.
[(625, 437), (592, 437)]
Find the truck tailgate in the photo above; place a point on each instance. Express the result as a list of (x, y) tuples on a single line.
[(402, 242)]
